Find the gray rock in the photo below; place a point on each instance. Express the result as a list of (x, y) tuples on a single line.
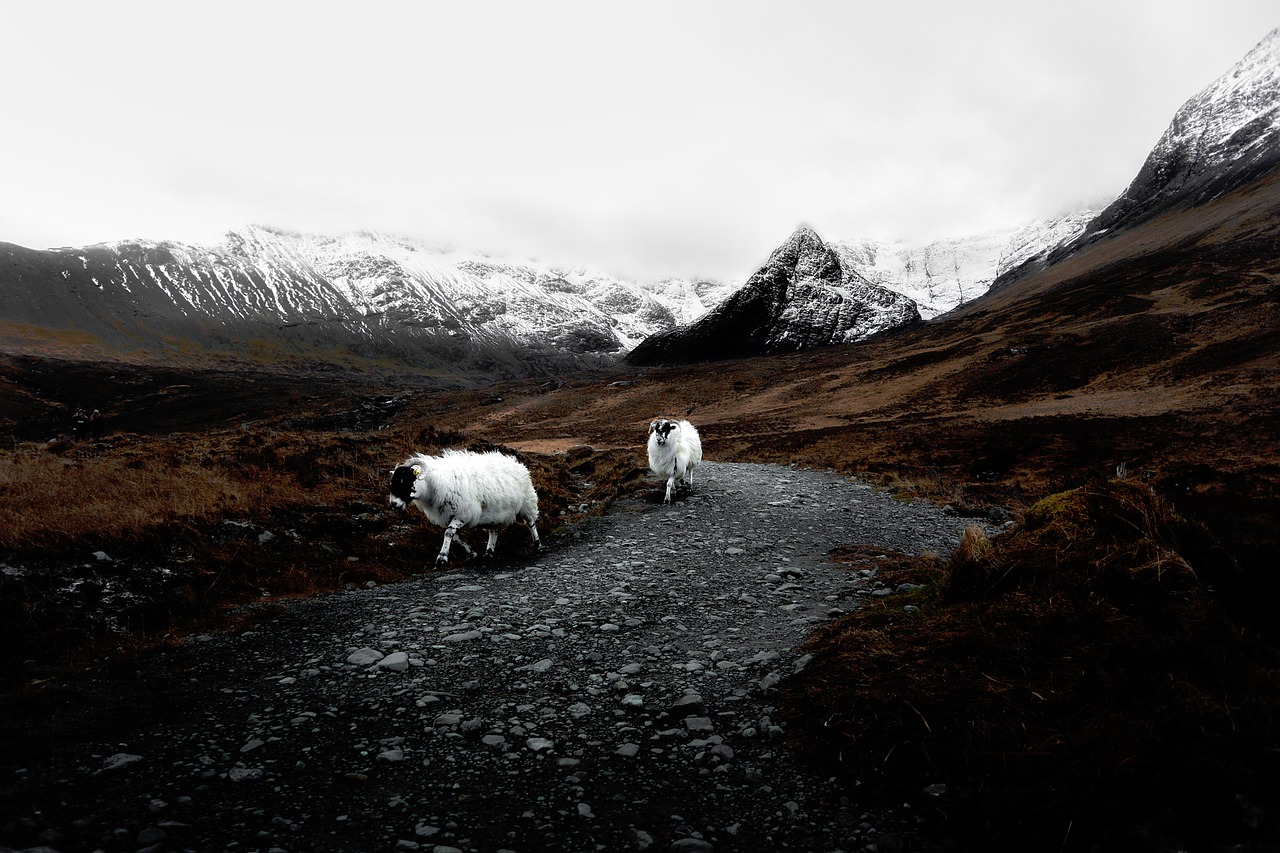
[(364, 657), (395, 662), (689, 705), (152, 835), (120, 760)]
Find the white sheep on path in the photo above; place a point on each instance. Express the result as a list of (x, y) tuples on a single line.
[(675, 449), (461, 488)]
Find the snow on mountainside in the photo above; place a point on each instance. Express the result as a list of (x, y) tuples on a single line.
[(577, 309), (1037, 240), (328, 298), (943, 274), (810, 293), (1225, 137), (1233, 116)]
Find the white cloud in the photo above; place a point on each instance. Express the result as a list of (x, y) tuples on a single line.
[(658, 139)]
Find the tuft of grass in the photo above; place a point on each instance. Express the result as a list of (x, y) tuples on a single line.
[(1119, 540), (974, 545)]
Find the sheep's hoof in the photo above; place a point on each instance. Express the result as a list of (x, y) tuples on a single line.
[(442, 561)]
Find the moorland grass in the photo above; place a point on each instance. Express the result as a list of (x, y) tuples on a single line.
[(1079, 679), (192, 526)]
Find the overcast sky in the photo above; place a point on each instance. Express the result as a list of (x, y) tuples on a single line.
[(646, 139)]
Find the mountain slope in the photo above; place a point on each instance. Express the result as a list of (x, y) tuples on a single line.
[(803, 297), (942, 274), (1224, 138), (272, 297)]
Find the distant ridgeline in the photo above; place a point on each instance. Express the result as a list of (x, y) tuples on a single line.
[(361, 300), (366, 301)]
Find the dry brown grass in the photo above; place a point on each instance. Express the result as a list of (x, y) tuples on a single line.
[(56, 503), (974, 545), (197, 524), (1069, 680)]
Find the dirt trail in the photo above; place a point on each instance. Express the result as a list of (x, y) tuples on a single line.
[(614, 692)]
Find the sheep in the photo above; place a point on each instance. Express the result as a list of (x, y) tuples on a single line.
[(674, 451), (461, 488)]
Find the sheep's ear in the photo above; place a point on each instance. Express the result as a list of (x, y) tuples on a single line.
[(653, 425)]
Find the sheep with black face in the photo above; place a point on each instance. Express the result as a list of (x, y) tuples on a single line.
[(461, 488), (675, 449)]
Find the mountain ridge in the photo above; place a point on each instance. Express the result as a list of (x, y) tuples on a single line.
[(355, 299), (364, 300)]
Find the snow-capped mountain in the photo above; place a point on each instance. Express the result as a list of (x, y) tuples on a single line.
[(270, 295), (274, 297), (943, 274), (1225, 137), (804, 296)]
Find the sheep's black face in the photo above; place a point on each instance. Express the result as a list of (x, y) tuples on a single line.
[(662, 428), (402, 486)]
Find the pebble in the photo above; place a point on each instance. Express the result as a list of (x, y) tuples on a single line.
[(395, 662), (364, 657), (120, 760)]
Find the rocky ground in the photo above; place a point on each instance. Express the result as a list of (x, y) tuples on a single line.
[(613, 692)]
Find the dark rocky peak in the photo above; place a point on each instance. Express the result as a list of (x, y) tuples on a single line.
[(803, 297), (807, 256)]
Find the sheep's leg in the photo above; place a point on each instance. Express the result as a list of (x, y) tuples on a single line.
[(671, 487), (449, 533), (443, 557), (493, 543)]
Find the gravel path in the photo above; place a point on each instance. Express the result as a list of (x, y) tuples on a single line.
[(615, 693)]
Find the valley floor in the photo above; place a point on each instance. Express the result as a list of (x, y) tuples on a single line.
[(616, 690)]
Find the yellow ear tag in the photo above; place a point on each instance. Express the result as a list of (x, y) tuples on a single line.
[(417, 472)]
